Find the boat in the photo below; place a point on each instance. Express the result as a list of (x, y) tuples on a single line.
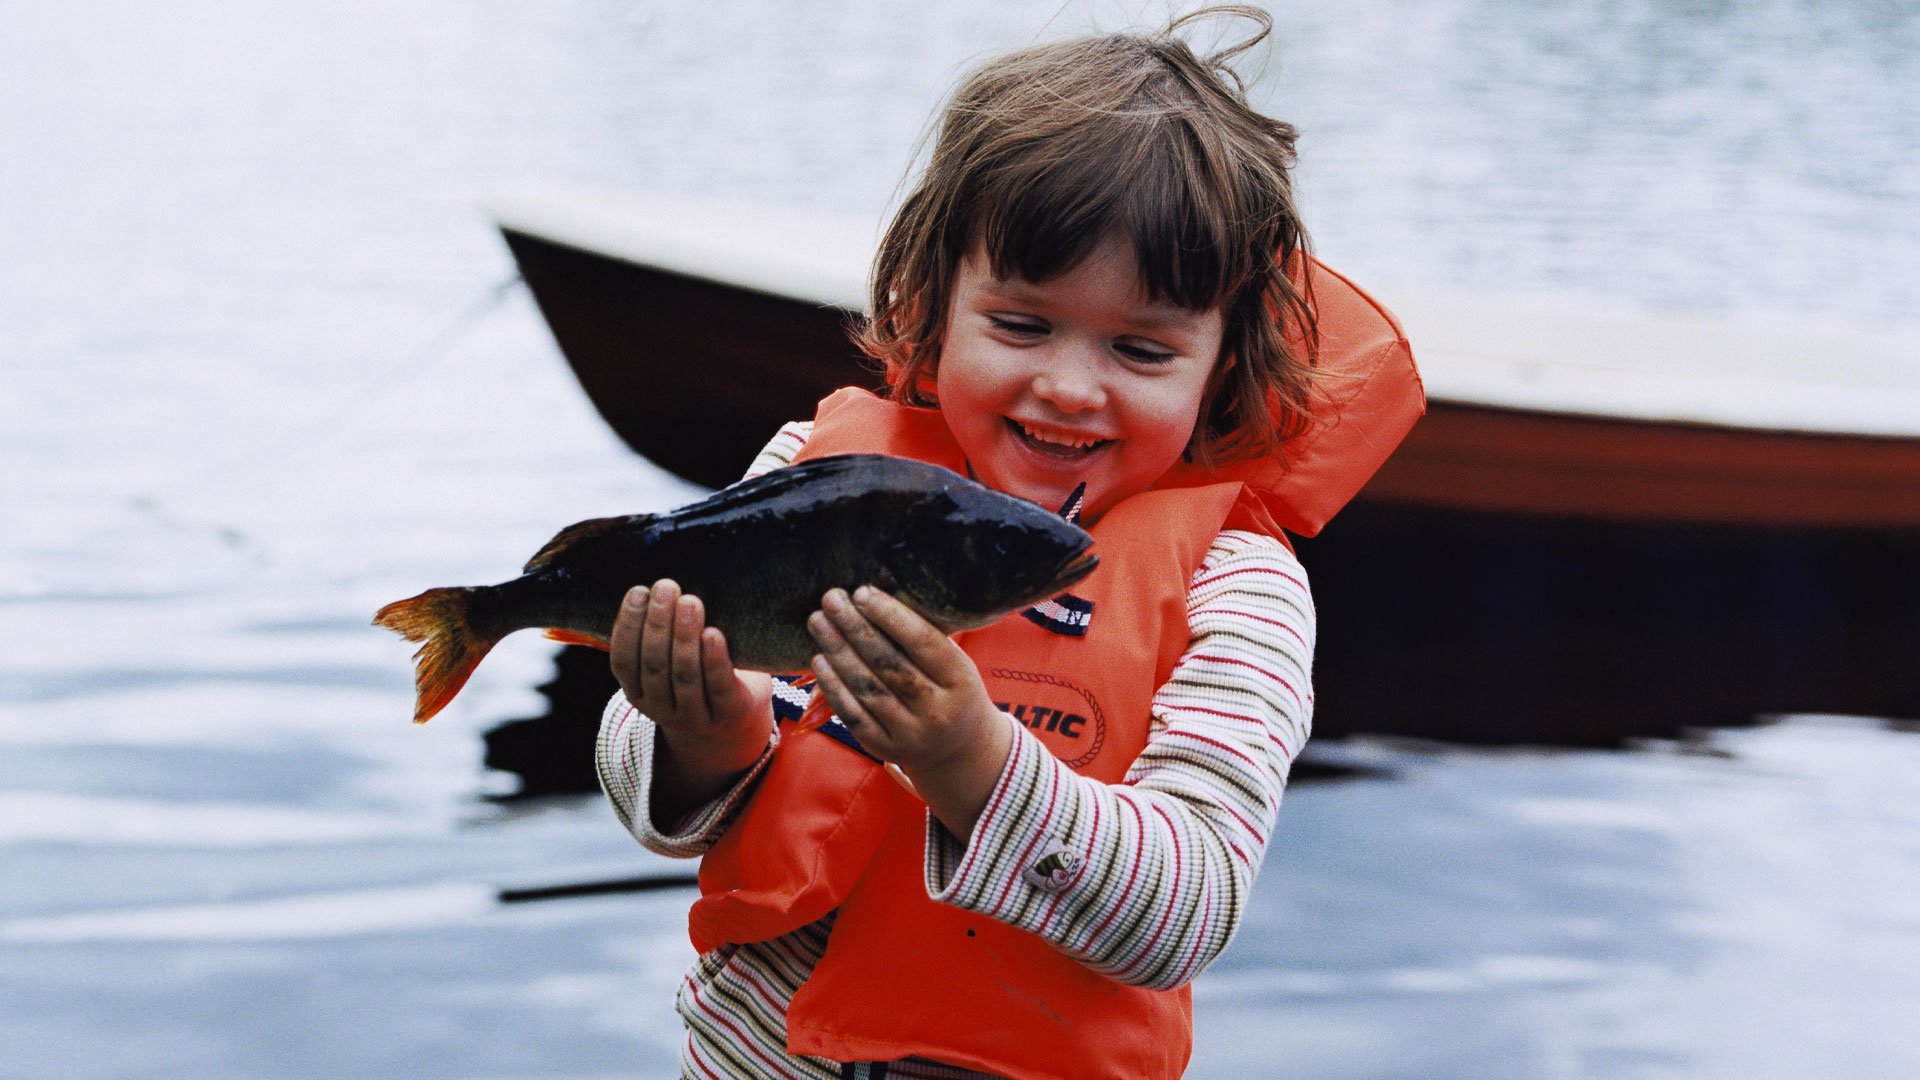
[(1611, 525)]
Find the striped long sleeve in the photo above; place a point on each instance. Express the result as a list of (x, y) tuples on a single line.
[(1166, 858)]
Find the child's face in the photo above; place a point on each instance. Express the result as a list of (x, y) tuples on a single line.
[(1046, 384)]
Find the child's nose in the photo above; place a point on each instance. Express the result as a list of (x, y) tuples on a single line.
[(1070, 385)]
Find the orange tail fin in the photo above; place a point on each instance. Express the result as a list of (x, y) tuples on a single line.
[(450, 648)]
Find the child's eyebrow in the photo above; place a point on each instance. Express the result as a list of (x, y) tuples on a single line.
[(1164, 317), (1147, 316)]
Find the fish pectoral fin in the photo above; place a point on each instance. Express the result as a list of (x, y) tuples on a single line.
[(817, 712), (578, 637), (570, 536)]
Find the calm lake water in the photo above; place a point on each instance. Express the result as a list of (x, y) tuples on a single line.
[(262, 369)]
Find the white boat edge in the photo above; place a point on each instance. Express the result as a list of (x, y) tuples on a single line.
[(1549, 356), (811, 256)]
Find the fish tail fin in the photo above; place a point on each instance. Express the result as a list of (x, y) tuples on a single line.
[(817, 712), (451, 648)]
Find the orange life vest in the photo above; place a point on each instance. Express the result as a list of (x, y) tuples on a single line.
[(827, 830)]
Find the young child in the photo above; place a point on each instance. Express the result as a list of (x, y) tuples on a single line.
[(1100, 280)]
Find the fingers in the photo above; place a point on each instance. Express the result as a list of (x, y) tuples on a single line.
[(909, 694), (901, 624), (727, 695), (687, 672), (847, 694), (878, 655), (656, 646), (864, 674), (846, 704), (623, 645), (667, 662)]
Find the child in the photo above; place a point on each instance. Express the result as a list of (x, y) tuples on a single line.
[(1100, 280)]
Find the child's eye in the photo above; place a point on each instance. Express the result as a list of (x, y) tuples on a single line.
[(1144, 355), (1015, 326)]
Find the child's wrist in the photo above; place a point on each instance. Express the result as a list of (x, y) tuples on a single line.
[(957, 786), (716, 750), (971, 742)]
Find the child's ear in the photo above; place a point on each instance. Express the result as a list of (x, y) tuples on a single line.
[(1217, 380), (924, 385)]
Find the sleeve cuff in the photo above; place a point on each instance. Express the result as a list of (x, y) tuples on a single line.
[(1023, 847), (627, 737)]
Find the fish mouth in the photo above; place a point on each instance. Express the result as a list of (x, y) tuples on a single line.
[(1071, 573), (1077, 566)]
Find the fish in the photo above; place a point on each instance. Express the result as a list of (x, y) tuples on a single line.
[(760, 554)]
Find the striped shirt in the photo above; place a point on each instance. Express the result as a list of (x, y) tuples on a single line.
[(1167, 857)]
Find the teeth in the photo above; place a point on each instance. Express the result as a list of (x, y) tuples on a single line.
[(1071, 442)]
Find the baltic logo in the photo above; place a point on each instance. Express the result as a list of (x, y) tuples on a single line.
[(1065, 717)]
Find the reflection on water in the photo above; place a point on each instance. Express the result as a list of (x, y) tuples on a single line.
[(552, 753), (258, 380), (1443, 913)]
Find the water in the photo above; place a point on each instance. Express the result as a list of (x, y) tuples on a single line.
[(258, 376)]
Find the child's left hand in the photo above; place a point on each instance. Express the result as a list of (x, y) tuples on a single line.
[(911, 697)]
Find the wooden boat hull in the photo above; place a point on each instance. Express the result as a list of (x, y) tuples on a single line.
[(1509, 576), (694, 375)]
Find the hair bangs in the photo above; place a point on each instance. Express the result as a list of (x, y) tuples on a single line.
[(1043, 217), (1045, 214)]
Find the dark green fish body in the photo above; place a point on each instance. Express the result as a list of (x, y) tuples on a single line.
[(760, 555)]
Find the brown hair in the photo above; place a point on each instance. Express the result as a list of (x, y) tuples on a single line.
[(1045, 152)]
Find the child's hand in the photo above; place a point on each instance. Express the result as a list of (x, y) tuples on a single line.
[(912, 697), (713, 721)]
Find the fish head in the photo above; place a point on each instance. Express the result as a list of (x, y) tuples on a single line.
[(966, 555)]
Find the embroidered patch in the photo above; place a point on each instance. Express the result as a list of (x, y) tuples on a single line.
[(1064, 614), (1057, 868)]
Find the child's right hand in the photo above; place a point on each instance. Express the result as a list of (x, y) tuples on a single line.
[(714, 721)]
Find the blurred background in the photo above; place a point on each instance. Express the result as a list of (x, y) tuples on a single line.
[(264, 366)]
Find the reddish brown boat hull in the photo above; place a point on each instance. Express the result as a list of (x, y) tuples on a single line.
[(1493, 460), (694, 375), (1507, 577)]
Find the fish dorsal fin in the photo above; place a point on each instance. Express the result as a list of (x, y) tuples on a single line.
[(793, 482), (796, 482), (568, 537), (800, 474)]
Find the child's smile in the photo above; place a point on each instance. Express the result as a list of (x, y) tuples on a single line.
[(1046, 384), (1066, 445)]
